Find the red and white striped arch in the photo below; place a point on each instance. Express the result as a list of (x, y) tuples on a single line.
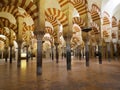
[(106, 29), (79, 21), (95, 28), (27, 5), (3, 32), (60, 16), (114, 28), (95, 12), (106, 18), (48, 30), (52, 20), (62, 2), (114, 22), (2, 39), (81, 6), (11, 9), (27, 37), (6, 23), (28, 28)]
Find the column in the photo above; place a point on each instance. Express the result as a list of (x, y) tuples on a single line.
[(79, 53), (52, 52), (108, 51), (31, 55), (6, 53), (19, 54), (57, 53), (39, 32), (39, 56), (20, 23), (115, 50), (100, 54), (67, 32), (86, 30), (68, 55), (2, 54), (56, 40), (11, 53), (87, 53), (27, 53)]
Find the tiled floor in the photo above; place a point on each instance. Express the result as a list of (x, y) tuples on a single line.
[(56, 77)]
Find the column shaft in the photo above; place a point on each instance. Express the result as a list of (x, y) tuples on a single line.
[(68, 53), (6, 54), (39, 56), (100, 54), (10, 54), (52, 52), (108, 51), (87, 54), (57, 54), (27, 53), (19, 55)]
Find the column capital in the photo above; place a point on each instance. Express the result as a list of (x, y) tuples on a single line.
[(19, 41), (39, 34), (56, 43)]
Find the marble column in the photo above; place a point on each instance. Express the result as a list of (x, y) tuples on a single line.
[(39, 32), (100, 54), (68, 55), (2, 54), (19, 54), (52, 52), (87, 53), (86, 39), (108, 51), (115, 50), (56, 40), (39, 56), (57, 53), (6, 54), (11, 53), (68, 9), (79, 53), (31, 55), (20, 24), (27, 53)]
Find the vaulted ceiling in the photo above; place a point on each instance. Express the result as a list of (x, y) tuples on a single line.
[(99, 9)]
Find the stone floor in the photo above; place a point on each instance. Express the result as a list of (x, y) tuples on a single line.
[(56, 77)]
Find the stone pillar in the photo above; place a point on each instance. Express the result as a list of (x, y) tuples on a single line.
[(57, 53), (79, 53), (52, 52), (19, 54), (86, 39), (62, 52), (31, 55), (67, 32), (87, 53), (108, 51), (115, 50), (100, 54), (27, 53), (56, 40), (6, 53), (11, 53), (39, 55), (68, 55), (39, 32), (2, 54), (20, 23)]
